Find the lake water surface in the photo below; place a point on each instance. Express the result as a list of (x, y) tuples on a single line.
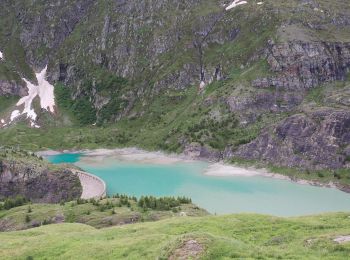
[(219, 195)]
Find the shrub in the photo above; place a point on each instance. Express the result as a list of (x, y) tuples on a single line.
[(27, 219), (46, 222), (320, 174), (337, 175), (10, 203)]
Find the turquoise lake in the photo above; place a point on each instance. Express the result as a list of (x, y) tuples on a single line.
[(219, 195)]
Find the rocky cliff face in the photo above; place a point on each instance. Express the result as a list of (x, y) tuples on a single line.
[(315, 140), (37, 182), (301, 65)]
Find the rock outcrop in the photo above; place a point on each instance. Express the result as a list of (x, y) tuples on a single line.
[(303, 65), (12, 88), (37, 182), (262, 102), (315, 140), (197, 151)]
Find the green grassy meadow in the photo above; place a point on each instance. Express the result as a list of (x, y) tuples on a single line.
[(242, 236)]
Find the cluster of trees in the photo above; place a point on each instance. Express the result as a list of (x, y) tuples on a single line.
[(214, 132), (123, 200), (165, 203), (81, 108), (10, 203), (145, 202), (220, 133)]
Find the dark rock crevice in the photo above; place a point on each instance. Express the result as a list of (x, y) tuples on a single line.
[(201, 36)]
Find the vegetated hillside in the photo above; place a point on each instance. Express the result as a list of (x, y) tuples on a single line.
[(16, 214), (214, 237), (264, 83), (24, 174)]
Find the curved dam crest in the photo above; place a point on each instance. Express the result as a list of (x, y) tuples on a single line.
[(93, 186)]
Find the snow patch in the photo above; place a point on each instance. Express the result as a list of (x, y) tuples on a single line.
[(44, 90), (235, 3), (27, 101), (1, 56), (2, 121), (15, 114), (202, 85), (32, 124), (259, 3)]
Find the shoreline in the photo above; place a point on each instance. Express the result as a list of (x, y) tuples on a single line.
[(262, 172), (218, 169)]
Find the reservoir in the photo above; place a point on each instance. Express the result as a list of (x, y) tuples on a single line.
[(218, 194)]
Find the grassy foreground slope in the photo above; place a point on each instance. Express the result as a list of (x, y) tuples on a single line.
[(234, 236)]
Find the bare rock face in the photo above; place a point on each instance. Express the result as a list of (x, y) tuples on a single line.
[(197, 151), (301, 65), (47, 29), (316, 140), (12, 88), (36, 183), (266, 102), (190, 249)]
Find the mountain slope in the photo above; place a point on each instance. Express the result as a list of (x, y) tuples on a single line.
[(249, 83)]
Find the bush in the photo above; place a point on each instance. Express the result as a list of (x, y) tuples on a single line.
[(81, 201), (337, 175), (46, 222), (18, 201), (320, 174), (27, 219)]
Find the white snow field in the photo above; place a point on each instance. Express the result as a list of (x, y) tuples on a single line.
[(44, 90)]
